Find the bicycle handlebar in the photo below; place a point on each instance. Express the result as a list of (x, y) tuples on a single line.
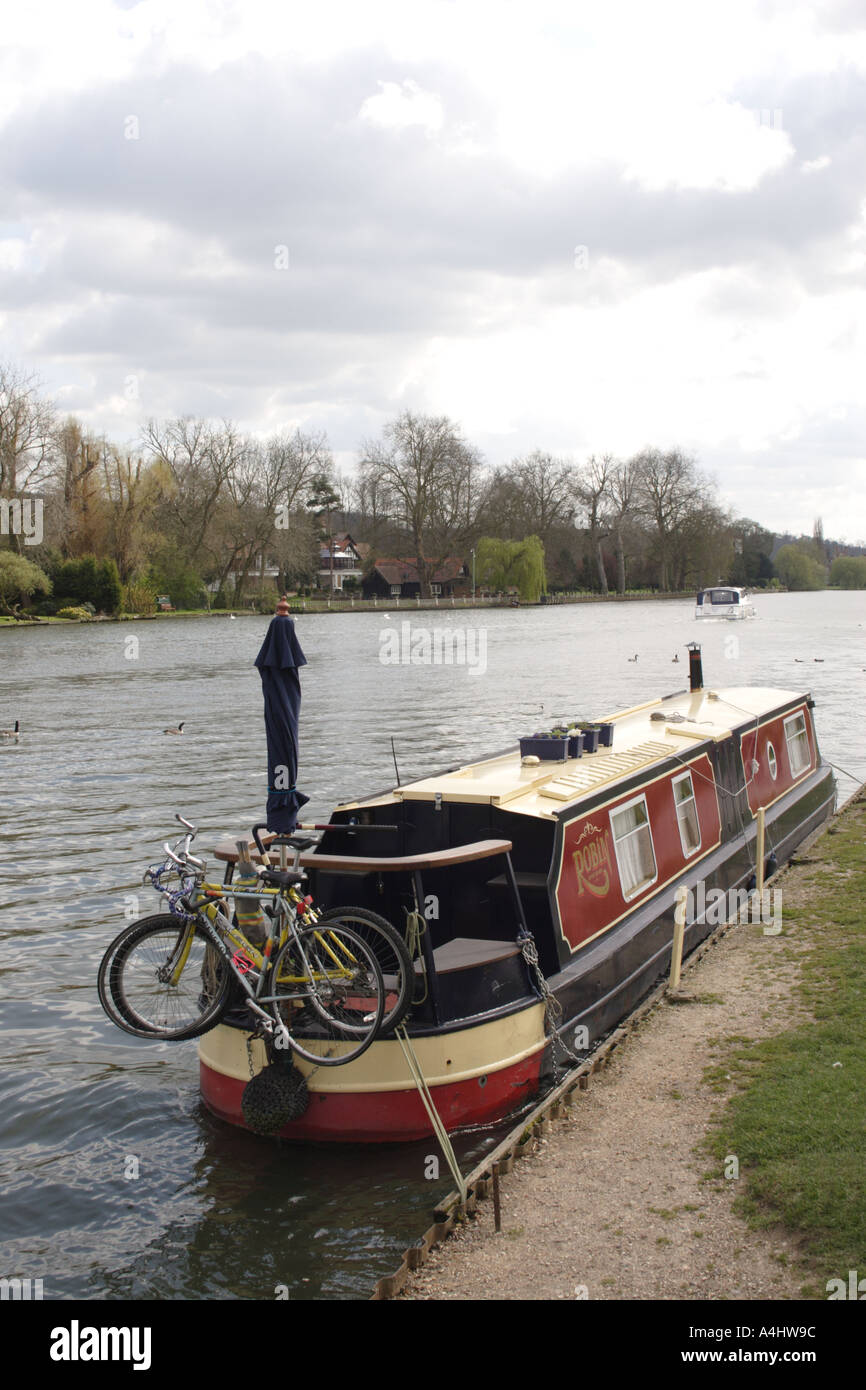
[(262, 825)]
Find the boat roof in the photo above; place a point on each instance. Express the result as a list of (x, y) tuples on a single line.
[(644, 735)]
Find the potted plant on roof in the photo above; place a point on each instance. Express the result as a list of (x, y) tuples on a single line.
[(545, 746), (574, 737), (591, 734)]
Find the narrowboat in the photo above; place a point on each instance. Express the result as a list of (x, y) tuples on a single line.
[(545, 892), (724, 602)]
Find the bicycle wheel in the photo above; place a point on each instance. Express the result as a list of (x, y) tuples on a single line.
[(327, 990), (102, 989), (392, 956), (162, 982)]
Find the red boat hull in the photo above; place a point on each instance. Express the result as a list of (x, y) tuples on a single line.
[(374, 1100)]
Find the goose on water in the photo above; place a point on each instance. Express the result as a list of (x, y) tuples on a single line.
[(178, 730), (633, 658), (11, 733)]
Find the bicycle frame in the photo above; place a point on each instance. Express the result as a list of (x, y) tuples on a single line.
[(218, 927), (199, 903)]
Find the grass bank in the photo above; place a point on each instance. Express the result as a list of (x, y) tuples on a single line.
[(797, 1119)]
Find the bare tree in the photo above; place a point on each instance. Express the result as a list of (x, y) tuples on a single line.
[(200, 458), (27, 436), (622, 493), (669, 488), (534, 496), (592, 490), (266, 489), (78, 458), (426, 477), (132, 493)]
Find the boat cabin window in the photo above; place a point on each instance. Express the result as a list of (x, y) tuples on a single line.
[(633, 844), (687, 814), (799, 753), (771, 761), (724, 596)]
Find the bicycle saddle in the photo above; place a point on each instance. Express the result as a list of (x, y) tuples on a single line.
[(300, 842), (282, 878)]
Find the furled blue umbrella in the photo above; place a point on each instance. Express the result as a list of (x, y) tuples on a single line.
[(278, 663)]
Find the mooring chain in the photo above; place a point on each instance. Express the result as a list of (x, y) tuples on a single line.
[(552, 1006)]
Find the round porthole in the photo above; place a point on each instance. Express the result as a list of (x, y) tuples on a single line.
[(771, 760)]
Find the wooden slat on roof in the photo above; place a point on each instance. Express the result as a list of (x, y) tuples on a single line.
[(604, 767)]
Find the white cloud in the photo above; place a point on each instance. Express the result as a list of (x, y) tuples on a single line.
[(398, 105), (720, 308)]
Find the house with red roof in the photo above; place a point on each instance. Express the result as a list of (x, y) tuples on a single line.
[(399, 578)]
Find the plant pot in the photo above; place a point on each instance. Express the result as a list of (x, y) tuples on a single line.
[(575, 745), (605, 738), (590, 740), (549, 750)]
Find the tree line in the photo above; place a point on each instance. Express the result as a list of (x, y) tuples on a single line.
[(198, 507)]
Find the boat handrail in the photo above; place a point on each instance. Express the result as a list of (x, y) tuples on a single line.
[(406, 863), (367, 864)]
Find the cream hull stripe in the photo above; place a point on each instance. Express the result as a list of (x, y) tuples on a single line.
[(444, 1058)]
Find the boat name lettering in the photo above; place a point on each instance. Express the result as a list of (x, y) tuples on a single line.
[(592, 862)]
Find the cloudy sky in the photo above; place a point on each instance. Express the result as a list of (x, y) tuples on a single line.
[(568, 226)]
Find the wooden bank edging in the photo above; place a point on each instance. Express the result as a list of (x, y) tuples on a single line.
[(523, 1139)]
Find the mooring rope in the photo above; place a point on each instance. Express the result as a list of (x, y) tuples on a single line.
[(435, 1119)]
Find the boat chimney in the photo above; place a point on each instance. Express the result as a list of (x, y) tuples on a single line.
[(696, 673)]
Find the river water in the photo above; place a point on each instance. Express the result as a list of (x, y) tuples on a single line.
[(116, 1181)]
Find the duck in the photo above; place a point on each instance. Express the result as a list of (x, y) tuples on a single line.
[(11, 733), (178, 730)]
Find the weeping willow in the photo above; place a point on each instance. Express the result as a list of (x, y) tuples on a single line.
[(519, 565)]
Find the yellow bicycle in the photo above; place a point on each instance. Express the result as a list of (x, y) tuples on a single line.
[(315, 989)]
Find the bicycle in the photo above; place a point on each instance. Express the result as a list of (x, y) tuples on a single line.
[(315, 989), (391, 951)]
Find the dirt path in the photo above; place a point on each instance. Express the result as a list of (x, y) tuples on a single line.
[(617, 1199)]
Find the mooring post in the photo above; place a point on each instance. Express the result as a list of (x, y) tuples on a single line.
[(759, 855), (679, 933)]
